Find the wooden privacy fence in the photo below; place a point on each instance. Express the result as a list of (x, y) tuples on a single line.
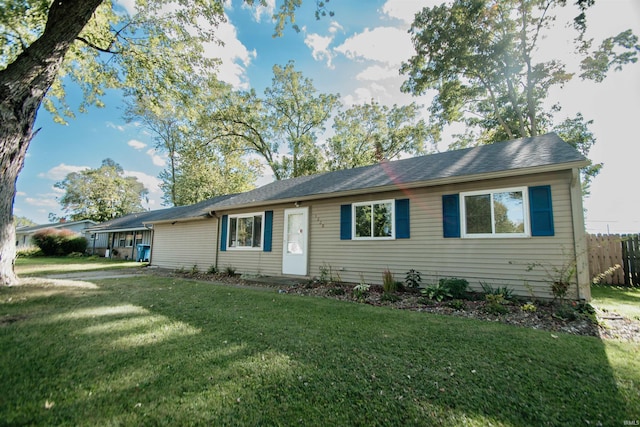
[(614, 259)]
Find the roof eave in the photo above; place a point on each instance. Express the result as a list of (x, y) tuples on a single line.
[(115, 230), (430, 183), (178, 219)]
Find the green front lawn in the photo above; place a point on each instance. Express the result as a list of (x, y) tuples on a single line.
[(37, 266), (164, 351)]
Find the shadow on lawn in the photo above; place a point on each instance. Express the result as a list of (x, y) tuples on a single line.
[(167, 352)]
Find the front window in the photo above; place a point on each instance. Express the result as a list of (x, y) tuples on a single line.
[(495, 213), (245, 231), (373, 220)]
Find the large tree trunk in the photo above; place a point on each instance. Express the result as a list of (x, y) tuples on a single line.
[(23, 85)]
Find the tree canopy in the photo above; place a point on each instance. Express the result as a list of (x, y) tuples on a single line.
[(482, 59), (369, 133), (201, 165), (101, 194)]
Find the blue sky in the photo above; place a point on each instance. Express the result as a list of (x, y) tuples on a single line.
[(356, 54)]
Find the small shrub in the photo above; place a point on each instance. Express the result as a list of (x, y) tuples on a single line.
[(76, 255), (529, 307), (212, 270), (457, 287), (47, 240), (73, 243), (336, 291), (59, 242), (457, 304), (436, 292), (325, 274), (388, 283), (230, 271), (194, 270), (29, 252), (576, 310), (425, 301), (361, 291), (559, 289), (495, 304), (389, 297), (565, 312), (487, 289), (412, 279)]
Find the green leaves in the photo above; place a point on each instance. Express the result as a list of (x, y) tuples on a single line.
[(614, 52), (480, 58), (366, 134), (101, 194)]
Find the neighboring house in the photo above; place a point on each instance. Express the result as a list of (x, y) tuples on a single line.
[(120, 237), (485, 214), (24, 234)]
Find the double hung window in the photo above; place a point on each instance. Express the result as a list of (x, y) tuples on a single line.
[(374, 220), (495, 213), (245, 231)]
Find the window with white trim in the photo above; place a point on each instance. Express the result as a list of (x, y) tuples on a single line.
[(373, 220), (495, 213), (245, 231)]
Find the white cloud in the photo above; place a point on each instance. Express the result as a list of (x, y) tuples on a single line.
[(234, 56), (405, 10), (138, 145), (259, 11), (20, 193), (320, 47), (128, 5), (377, 72), (334, 27), (387, 45), (60, 172), (156, 158), (150, 182), (115, 126), (46, 202)]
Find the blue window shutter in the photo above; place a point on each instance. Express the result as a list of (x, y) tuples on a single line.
[(345, 222), (223, 233), (403, 226), (451, 215), (268, 231), (541, 211)]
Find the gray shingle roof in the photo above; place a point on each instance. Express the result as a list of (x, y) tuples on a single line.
[(33, 228), (137, 220), (523, 154)]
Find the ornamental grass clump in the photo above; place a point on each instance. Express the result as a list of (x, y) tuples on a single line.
[(389, 285)]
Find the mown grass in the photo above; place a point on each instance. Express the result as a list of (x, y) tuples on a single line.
[(36, 266), (162, 351), (621, 300)]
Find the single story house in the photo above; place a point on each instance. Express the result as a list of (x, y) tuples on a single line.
[(121, 237), (130, 236), (24, 234), (486, 214)]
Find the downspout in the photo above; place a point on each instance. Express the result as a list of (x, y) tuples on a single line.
[(212, 214), (150, 228), (113, 237), (579, 238)]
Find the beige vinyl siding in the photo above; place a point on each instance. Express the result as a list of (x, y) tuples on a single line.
[(496, 261), (185, 244), (256, 261)]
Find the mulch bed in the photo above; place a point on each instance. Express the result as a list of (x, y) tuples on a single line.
[(605, 325)]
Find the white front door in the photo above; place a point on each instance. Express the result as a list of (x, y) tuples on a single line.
[(294, 250)]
